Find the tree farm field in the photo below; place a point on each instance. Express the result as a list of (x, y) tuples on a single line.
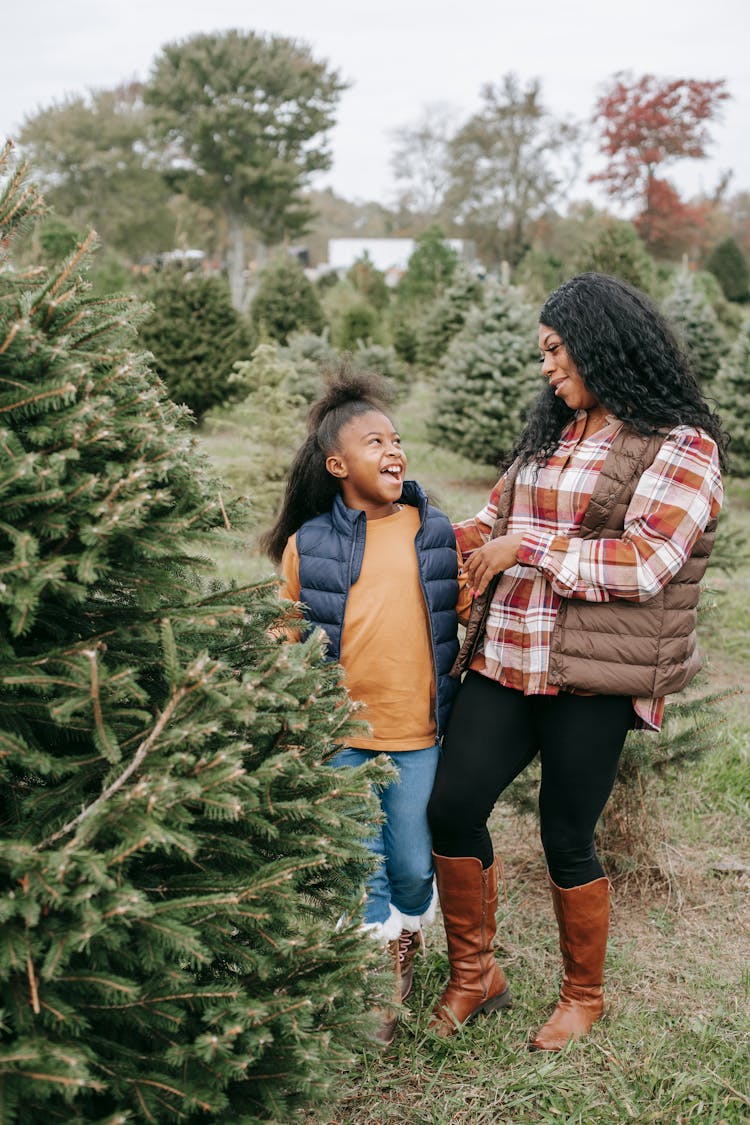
[(673, 1045)]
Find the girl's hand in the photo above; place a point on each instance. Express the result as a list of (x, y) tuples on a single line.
[(490, 559)]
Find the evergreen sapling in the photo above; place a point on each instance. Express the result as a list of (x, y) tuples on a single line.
[(697, 328), (487, 378), (733, 392)]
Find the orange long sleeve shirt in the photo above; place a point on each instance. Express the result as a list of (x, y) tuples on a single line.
[(386, 650)]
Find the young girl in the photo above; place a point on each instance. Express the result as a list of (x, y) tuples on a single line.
[(376, 567)]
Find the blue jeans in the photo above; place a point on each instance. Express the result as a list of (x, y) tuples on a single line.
[(403, 842)]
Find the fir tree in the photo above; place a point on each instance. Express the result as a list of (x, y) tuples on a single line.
[(616, 249), (488, 378), (729, 265), (447, 316), (195, 337), (539, 272), (370, 282), (698, 329), (733, 393), (57, 239), (728, 313), (285, 301), (430, 268), (371, 358), (173, 852), (270, 424), (359, 324), (307, 355), (403, 329)]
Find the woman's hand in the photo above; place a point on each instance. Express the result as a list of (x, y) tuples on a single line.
[(490, 559)]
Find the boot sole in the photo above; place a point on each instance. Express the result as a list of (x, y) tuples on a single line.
[(494, 1004), (504, 1000)]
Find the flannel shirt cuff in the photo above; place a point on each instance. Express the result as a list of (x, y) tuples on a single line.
[(536, 546)]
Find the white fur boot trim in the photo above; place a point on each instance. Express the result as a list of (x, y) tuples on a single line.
[(385, 931)]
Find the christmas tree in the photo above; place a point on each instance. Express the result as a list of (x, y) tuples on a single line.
[(729, 266), (269, 421), (488, 378), (430, 268), (285, 301), (733, 393), (447, 316), (195, 336), (174, 854), (698, 329), (614, 248), (370, 282)]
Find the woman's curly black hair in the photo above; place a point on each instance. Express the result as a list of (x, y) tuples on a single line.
[(310, 488), (627, 356)]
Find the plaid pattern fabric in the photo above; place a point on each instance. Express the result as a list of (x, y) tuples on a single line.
[(670, 508)]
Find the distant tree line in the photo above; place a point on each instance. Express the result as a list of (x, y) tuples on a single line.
[(216, 150), (470, 335)]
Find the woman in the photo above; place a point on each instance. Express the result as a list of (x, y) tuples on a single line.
[(585, 566)]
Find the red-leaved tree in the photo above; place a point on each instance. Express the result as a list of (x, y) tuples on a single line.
[(668, 225), (647, 123)]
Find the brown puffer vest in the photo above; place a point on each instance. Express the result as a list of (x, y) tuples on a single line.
[(619, 647)]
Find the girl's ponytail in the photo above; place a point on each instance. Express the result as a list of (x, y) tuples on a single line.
[(310, 490)]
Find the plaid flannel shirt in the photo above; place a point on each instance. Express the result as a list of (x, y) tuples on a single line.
[(672, 504)]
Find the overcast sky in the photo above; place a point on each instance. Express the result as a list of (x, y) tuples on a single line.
[(400, 55)]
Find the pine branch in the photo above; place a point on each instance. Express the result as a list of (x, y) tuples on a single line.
[(138, 758)]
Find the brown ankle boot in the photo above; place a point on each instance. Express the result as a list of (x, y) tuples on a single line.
[(468, 897), (388, 1014), (410, 943), (583, 921)]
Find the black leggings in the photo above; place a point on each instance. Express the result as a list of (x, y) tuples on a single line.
[(493, 734)]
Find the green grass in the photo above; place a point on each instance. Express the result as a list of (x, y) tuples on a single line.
[(237, 558), (673, 1046)]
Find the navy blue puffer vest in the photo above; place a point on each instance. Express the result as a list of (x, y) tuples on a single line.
[(331, 547)]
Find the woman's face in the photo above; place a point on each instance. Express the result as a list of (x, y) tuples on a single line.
[(561, 373)]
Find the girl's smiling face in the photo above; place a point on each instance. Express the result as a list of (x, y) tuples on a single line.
[(370, 464), (561, 372)]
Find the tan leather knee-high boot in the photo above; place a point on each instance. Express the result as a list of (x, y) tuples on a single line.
[(468, 897), (583, 921)]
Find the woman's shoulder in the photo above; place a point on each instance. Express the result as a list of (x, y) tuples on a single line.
[(688, 452), (690, 437)]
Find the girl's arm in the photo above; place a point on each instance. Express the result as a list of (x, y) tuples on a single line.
[(672, 504), (290, 585)]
